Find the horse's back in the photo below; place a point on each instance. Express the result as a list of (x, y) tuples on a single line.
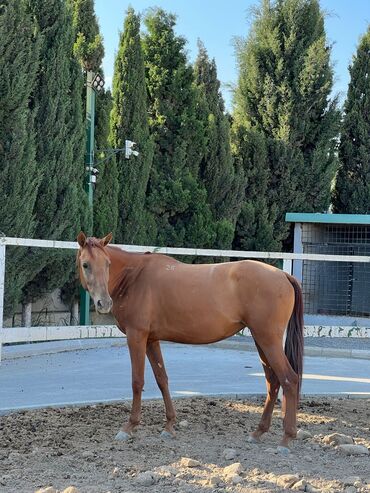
[(207, 302)]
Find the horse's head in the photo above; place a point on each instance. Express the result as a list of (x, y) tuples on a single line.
[(93, 265)]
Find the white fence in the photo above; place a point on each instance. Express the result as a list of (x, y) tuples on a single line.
[(31, 334)]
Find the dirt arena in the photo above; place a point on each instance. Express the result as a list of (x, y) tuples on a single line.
[(75, 447)]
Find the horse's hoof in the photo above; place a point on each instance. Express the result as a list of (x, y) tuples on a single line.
[(122, 436), (167, 435), (283, 450), (252, 439)]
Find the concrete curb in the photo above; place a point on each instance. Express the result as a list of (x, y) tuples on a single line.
[(238, 343), (322, 352)]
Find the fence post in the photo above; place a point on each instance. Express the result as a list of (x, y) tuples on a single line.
[(2, 286), (287, 266)]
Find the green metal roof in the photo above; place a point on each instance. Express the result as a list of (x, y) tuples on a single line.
[(301, 217)]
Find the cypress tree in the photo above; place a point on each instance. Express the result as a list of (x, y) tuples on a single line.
[(61, 203), (177, 199), (19, 174), (223, 183), (89, 50), (255, 224), (129, 121), (283, 92), (88, 46), (351, 193)]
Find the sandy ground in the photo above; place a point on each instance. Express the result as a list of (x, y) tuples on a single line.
[(75, 446)]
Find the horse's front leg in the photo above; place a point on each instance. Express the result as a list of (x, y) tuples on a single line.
[(136, 341), (154, 354)]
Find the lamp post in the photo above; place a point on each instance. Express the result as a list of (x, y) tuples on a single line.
[(94, 83)]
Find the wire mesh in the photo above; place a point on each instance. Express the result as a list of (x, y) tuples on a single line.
[(336, 288)]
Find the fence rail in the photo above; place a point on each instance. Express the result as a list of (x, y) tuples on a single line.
[(29, 334), (200, 252)]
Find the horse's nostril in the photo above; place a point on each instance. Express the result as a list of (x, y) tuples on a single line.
[(99, 303)]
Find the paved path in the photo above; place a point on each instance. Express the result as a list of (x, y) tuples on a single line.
[(104, 374)]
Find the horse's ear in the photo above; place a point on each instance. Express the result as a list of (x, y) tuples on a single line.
[(107, 239), (81, 239)]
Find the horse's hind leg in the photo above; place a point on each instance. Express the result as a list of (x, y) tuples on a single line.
[(288, 379), (154, 353), (272, 384)]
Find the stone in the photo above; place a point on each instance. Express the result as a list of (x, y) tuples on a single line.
[(167, 471), (47, 489), (145, 478), (353, 449), (214, 481), (14, 456), (236, 479), (303, 434), (184, 424), (287, 480), (233, 469), (186, 476), (115, 471), (70, 489), (350, 489), (229, 453), (311, 489), (337, 439), (351, 480), (299, 485), (86, 454), (187, 462)]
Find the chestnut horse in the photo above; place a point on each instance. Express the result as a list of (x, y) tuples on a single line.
[(154, 298)]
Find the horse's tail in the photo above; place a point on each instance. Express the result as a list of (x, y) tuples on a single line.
[(294, 335)]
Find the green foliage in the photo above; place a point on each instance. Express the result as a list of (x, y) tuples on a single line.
[(103, 108), (19, 174), (351, 194), (129, 121), (106, 191), (88, 47), (89, 50), (255, 225), (224, 184), (284, 93), (61, 202), (177, 200)]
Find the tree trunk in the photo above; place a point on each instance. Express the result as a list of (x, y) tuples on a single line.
[(27, 314), (74, 313)]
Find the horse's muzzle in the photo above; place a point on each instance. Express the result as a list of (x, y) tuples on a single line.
[(104, 305)]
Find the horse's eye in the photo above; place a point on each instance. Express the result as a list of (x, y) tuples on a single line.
[(85, 265)]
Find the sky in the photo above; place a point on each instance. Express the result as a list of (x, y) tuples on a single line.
[(218, 22)]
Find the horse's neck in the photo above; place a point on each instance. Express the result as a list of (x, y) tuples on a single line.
[(123, 266)]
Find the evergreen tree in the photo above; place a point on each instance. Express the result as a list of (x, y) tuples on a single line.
[(129, 121), (224, 185), (88, 47), (89, 50), (61, 203), (351, 194), (177, 199), (106, 190), (255, 225), (284, 93), (19, 174)]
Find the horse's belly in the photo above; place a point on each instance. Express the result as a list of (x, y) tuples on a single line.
[(199, 326)]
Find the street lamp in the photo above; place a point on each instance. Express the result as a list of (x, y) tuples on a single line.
[(98, 82), (94, 83)]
